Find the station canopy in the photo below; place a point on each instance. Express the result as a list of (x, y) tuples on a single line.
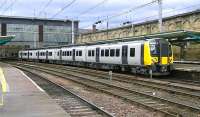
[(5, 39), (179, 36)]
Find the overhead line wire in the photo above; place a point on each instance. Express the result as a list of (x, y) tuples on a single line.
[(90, 9), (63, 8), (46, 5)]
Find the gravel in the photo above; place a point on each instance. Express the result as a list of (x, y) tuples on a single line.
[(117, 106)]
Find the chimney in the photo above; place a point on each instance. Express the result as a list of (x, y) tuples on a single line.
[(94, 29)]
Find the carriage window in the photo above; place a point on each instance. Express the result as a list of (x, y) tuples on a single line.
[(70, 53), (112, 52), (132, 52), (89, 53), (80, 53), (50, 53), (102, 52), (63, 53), (76, 53), (117, 52), (92, 52), (170, 50), (107, 52), (67, 53)]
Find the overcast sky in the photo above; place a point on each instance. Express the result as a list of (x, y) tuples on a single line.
[(36, 8)]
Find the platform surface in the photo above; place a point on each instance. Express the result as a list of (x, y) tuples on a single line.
[(187, 67), (24, 99)]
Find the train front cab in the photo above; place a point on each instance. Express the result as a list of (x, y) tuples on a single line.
[(158, 56)]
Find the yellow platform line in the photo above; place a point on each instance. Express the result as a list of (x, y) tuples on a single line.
[(3, 85)]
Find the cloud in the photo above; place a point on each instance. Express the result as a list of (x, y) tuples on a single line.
[(30, 8)]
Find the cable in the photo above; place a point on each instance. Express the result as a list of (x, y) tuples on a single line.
[(11, 5), (131, 10), (90, 9), (168, 12), (48, 3), (3, 3), (63, 8), (122, 13)]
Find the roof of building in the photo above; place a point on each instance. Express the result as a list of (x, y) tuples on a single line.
[(38, 18)]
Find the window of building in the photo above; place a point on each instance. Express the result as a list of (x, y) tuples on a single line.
[(112, 52), (102, 52), (106, 52), (89, 53), (117, 52), (92, 52), (132, 52)]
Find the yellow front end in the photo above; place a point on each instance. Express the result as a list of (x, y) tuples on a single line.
[(158, 63)]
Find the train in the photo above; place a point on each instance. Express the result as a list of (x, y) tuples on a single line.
[(148, 56)]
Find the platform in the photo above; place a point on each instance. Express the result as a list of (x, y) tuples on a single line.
[(187, 67), (23, 98)]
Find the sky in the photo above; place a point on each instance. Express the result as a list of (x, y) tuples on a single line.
[(90, 11)]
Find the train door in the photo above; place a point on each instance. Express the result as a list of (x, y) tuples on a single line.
[(60, 57), (73, 54), (28, 54), (164, 53), (38, 54), (125, 54), (20, 54), (47, 54), (97, 54)]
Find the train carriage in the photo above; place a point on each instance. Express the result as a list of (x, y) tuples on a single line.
[(136, 56)]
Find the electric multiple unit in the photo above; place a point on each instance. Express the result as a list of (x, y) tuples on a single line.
[(136, 56)]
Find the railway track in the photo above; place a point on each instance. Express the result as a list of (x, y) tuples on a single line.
[(184, 81), (169, 85), (75, 105), (143, 97)]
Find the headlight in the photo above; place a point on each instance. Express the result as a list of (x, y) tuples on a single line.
[(163, 69)]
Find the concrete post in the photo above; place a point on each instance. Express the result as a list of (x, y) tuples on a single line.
[(72, 31), (110, 75), (160, 15)]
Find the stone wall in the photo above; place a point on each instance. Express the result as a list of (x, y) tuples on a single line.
[(186, 21)]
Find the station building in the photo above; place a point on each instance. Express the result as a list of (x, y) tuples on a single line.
[(36, 32)]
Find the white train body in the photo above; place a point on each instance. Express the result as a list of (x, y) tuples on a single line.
[(139, 55)]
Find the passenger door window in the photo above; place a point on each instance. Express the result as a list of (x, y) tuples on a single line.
[(132, 52)]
